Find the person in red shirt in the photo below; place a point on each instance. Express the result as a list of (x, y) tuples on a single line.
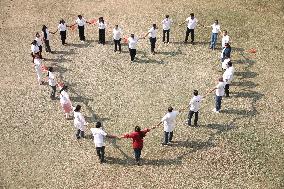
[(137, 137)]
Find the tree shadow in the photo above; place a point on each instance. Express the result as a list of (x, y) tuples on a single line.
[(240, 112), (247, 74), (221, 127), (249, 84), (149, 61)]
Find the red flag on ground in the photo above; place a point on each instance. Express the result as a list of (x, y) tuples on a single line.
[(73, 28), (44, 68), (252, 50), (93, 21), (60, 85), (125, 39)]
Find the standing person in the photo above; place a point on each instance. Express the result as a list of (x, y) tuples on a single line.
[(166, 28), (225, 38), (191, 25), (132, 42), (81, 22), (51, 82), (46, 37), (220, 87), (99, 135), (66, 102), (37, 64), (102, 30), (194, 107), (62, 27), (169, 125), (117, 38), (39, 44), (226, 52), (79, 122), (137, 144), (228, 77), (214, 35), (152, 37), (34, 49)]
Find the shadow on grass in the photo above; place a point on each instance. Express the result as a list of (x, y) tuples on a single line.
[(249, 84)]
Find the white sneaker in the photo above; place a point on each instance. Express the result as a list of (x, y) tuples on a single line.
[(82, 41), (214, 110)]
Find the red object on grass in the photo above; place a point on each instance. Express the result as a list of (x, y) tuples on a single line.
[(252, 50), (93, 21), (125, 39), (73, 28), (44, 68)]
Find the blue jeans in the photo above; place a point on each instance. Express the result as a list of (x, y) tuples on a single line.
[(137, 153), (213, 40), (218, 101)]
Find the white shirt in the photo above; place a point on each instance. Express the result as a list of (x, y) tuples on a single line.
[(98, 134), (153, 32), (195, 103), (47, 34), (169, 121), (81, 22), (220, 89), (64, 97), (225, 39), (62, 27), (37, 62), (167, 23), (215, 28), (191, 22), (51, 79), (34, 48), (132, 42), (225, 63), (231, 69), (38, 41), (117, 34), (101, 25), (79, 121)]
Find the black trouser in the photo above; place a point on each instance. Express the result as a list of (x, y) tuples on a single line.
[(101, 153), (168, 137), (153, 44), (191, 31), (190, 115), (117, 43), (137, 153), (47, 47), (80, 134), (81, 33), (63, 37), (53, 91), (40, 51), (227, 86), (102, 36), (168, 35), (132, 53)]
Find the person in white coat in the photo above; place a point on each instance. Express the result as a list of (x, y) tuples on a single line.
[(228, 77), (169, 124), (37, 65), (79, 122), (52, 82), (66, 102), (166, 28), (117, 38)]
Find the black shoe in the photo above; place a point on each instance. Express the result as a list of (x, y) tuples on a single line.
[(165, 144), (138, 163), (103, 161)]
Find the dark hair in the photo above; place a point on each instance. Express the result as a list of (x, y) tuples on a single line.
[(132, 35), (138, 129), (43, 28), (195, 92), (230, 64), (98, 124), (170, 109), (34, 42), (50, 69), (116, 25), (61, 21), (154, 26), (64, 88), (167, 16), (78, 108), (217, 21), (101, 19), (191, 14), (221, 79), (79, 16)]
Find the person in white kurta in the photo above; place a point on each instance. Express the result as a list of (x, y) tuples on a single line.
[(37, 65), (79, 122), (65, 102), (169, 124), (228, 77)]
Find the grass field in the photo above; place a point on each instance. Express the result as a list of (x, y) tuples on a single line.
[(243, 147)]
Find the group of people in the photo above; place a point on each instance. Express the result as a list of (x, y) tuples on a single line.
[(168, 121)]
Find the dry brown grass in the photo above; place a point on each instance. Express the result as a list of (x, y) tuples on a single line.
[(240, 148)]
